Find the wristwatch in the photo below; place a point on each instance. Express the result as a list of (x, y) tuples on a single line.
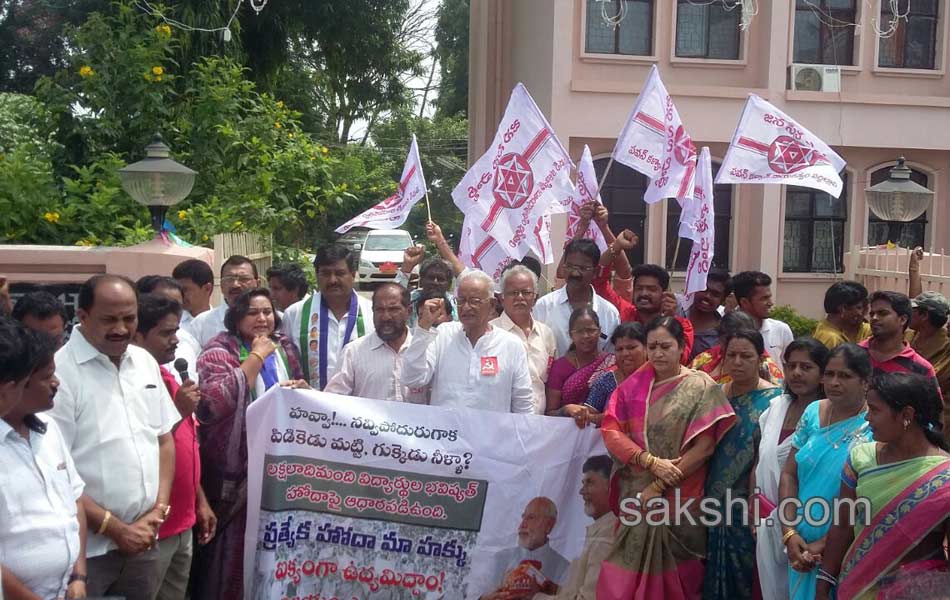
[(73, 577)]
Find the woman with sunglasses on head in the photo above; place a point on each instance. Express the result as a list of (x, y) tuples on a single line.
[(236, 367), (661, 427)]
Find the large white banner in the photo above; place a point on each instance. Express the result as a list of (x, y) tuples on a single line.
[(769, 146), (351, 498)]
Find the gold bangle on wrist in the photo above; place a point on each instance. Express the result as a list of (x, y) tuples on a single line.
[(788, 535), (258, 355), (105, 523)]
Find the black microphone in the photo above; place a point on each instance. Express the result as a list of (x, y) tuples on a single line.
[(181, 365)]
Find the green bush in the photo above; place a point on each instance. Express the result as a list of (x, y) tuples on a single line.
[(801, 325)]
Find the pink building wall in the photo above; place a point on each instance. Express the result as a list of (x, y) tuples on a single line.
[(879, 113)]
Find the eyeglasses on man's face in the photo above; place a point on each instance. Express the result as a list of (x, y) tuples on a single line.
[(582, 269)]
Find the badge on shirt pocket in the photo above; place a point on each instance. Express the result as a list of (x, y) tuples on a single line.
[(489, 366)]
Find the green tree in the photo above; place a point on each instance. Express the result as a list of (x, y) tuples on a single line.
[(257, 169), (33, 40), (451, 37)]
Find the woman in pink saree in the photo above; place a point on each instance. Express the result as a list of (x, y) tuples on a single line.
[(661, 427), (235, 368), (904, 475), (571, 376)]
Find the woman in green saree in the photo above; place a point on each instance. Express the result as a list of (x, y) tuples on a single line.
[(730, 562), (903, 477), (661, 426)]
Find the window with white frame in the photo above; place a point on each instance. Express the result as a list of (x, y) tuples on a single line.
[(913, 42), (906, 235), (708, 29), (814, 230), (632, 36), (824, 32)]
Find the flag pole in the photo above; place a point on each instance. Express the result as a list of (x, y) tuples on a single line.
[(428, 208), (676, 254), (603, 177)]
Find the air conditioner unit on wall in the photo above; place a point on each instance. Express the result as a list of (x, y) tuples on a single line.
[(815, 78)]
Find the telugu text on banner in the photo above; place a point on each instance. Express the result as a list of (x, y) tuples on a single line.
[(363, 499)]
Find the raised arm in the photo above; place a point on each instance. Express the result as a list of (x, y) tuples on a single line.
[(616, 249), (914, 287), (419, 363), (434, 234)]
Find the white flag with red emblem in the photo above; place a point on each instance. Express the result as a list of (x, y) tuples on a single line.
[(771, 147), (655, 143), (700, 223), (586, 191), (518, 181), (393, 211), (479, 250)]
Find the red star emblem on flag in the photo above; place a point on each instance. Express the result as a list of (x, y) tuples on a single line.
[(788, 155), (514, 180), (683, 148)]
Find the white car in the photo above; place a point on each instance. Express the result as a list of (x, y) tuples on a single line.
[(381, 255)]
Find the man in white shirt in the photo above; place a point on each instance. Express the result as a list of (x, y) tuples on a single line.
[(116, 418), (238, 274), (581, 258), (372, 365), (16, 363), (519, 287), (469, 364), (753, 292), (322, 324), (537, 522), (188, 347), (582, 577), (197, 282), (42, 524)]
